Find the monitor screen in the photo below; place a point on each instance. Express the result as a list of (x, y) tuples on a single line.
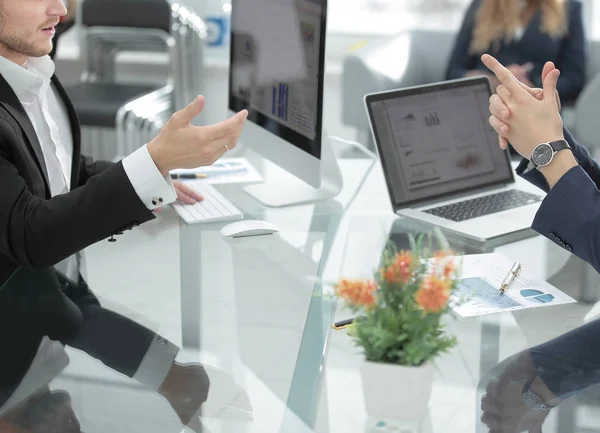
[(437, 140), (276, 67)]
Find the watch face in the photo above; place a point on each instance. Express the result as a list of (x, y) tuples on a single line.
[(542, 154)]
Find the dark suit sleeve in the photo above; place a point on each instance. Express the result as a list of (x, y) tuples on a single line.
[(570, 213), (572, 57), (461, 61), (88, 168), (37, 233)]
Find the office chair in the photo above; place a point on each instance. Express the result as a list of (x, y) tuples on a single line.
[(135, 110)]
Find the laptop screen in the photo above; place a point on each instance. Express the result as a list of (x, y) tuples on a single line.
[(435, 140)]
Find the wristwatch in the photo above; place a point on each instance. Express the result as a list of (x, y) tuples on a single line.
[(533, 402), (543, 153)]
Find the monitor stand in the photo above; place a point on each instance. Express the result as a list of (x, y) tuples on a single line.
[(293, 191)]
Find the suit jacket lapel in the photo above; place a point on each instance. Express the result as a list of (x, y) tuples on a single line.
[(75, 130), (11, 103)]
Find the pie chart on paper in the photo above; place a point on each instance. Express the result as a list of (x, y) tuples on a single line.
[(537, 296)]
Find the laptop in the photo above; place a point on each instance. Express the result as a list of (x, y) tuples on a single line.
[(442, 162)]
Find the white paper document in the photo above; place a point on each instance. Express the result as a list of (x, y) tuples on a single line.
[(478, 291), (226, 170)]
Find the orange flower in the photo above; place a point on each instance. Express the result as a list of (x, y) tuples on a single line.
[(442, 254), (400, 269), (444, 263), (360, 293), (449, 268), (433, 295)]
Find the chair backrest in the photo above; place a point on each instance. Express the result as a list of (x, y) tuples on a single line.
[(109, 27), (158, 26), (407, 59), (146, 14), (432, 49)]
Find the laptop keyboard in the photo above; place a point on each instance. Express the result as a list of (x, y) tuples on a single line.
[(481, 206)]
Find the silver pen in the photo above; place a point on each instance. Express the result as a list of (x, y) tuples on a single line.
[(512, 276)]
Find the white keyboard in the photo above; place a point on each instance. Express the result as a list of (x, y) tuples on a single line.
[(214, 207)]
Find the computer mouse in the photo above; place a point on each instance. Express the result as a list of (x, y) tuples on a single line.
[(246, 228)]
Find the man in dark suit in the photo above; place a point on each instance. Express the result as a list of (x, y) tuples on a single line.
[(553, 160), (54, 202)]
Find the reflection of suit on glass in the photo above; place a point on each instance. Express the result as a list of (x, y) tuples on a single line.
[(548, 374), (570, 363), (39, 303)]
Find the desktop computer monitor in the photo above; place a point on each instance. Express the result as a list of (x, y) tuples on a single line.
[(277, 65)]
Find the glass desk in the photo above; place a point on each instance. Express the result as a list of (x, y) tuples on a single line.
[(489, 346), (251, 327)]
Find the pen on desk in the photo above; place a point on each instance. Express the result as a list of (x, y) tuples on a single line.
[(512, 275), (189, 175), (342, 324)]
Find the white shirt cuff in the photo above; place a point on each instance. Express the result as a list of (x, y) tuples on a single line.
[(154, 189), (157, 363)]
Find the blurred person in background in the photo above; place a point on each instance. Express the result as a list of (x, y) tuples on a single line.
[(523, 34), (66, 22)]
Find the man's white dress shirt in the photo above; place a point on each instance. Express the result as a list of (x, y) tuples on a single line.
[(48, 114)]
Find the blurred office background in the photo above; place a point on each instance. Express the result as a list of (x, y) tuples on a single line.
[(352, 26)]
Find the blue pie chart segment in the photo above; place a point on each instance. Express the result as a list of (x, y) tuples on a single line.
[(537, 296)]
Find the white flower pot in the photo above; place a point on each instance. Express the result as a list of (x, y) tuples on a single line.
[(395, 392)]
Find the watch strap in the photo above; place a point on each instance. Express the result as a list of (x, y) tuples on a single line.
[(559, 145)]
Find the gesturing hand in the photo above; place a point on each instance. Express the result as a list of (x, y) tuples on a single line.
[(180, 144), (525, 116), (499, 109)]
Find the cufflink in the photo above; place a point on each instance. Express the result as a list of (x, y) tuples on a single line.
[(157, 200)]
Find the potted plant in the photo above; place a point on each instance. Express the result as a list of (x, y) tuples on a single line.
[(399, 327)]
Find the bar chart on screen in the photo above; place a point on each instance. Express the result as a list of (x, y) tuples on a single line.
[(280, 100)]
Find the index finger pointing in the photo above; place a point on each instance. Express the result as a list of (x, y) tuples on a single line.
[(504, 75)]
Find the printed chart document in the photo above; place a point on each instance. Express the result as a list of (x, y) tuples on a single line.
[(478, 291), (226, 170)]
